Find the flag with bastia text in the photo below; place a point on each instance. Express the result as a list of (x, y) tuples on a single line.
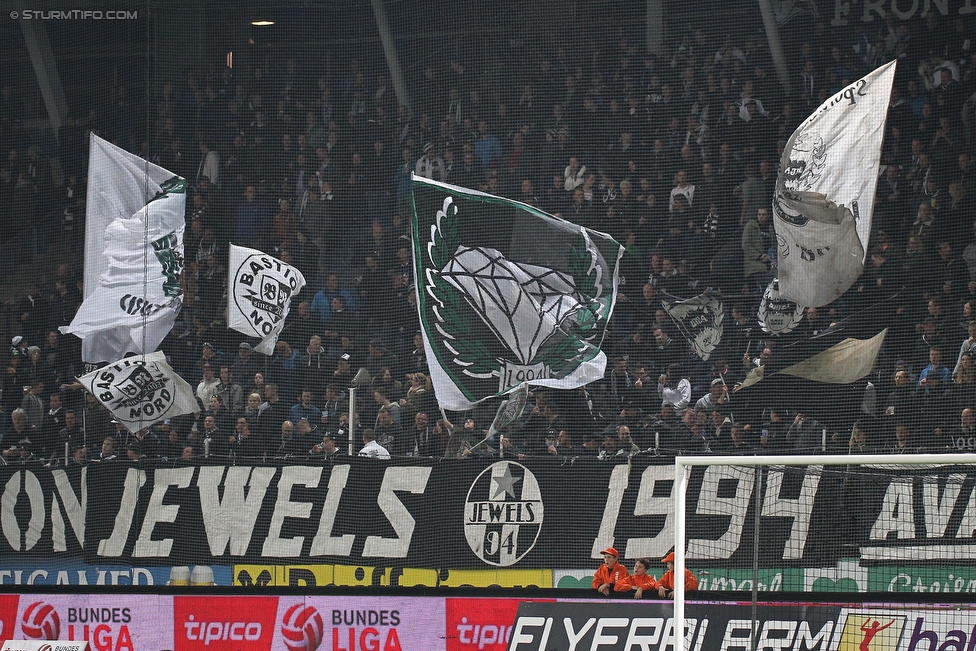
[(259, 291), (133, 255), (507, 294), (141, 390)]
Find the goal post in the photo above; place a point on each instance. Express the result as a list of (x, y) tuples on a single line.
[(683, 466)]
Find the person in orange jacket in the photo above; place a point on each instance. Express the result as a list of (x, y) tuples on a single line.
[(665, 587), (609, 573), (640, 583)]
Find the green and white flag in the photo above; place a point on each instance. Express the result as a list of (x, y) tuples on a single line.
[(134, 227), (508, 295)]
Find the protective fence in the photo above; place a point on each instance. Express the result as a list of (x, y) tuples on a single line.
[(432, 293)]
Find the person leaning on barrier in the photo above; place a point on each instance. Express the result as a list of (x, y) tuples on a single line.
[(665, 587), (327, 450), (641, 584), (608, 574)]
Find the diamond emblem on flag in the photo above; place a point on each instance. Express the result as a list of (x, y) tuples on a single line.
[(523, 304)]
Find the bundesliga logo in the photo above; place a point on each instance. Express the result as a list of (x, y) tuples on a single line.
[(503, 513), (41, 622), (302, 628), (262, 288)]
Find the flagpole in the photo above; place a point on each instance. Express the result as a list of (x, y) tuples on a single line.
[(352, 415)]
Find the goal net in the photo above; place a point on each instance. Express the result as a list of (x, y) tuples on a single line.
[(896, 524)]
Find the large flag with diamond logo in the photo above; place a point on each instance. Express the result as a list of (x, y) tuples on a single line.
[(508, 295)]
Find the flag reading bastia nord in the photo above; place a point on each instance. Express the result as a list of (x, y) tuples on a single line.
[(507, 294)]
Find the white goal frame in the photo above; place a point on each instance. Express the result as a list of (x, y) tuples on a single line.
[(683, 463)]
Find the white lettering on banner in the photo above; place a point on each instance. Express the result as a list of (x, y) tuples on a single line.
[(710, 503), (411, 480), (574, 637), (291, 476), (774, 505), (647, 504), (923, 514), (221, 631), (643, 633), (115, 544), (783, 632), (900, 9), (615, 495), (655, 626), (518, 637), (229, 523), (600, 638), (805, 639), (482, 636), (939, 503), (73, 508), (8, 521), (776, 635), (157, 512), (897, 512), (324, 543), (93, 576)]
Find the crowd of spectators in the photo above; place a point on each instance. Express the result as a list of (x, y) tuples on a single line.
[(673, 154)]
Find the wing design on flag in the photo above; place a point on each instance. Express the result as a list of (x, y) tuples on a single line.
[(507, 294)]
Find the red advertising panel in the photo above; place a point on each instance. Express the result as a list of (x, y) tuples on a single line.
[(8, 616), (210, 623), (480, 624)]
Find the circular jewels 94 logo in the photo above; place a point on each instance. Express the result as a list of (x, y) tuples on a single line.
[(503, 513), (262, 287)]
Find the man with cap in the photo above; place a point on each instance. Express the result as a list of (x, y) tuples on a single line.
[(717, 396), (246, 364), (609, 573), (378, 357), (666, 585), (209, 356)]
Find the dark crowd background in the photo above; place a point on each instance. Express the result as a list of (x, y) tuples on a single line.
[(307, 154)]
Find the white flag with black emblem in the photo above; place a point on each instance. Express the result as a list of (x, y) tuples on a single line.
[(134, 225), (141, 390), (699, 320), (778, 315), (824, 197), (259, 293)]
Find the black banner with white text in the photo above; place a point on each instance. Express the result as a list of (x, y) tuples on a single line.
[(542, 513)]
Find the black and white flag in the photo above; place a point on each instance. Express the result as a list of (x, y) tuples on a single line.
[(259, 293), (824, 197), (134, 227), (699, 320), (141, 390), (778, 315)]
